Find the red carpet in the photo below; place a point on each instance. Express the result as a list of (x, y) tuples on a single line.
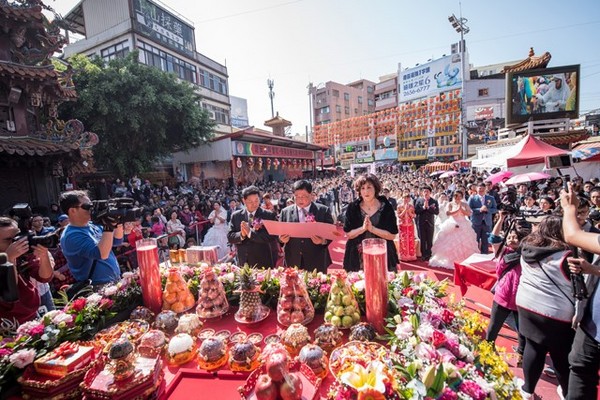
[(476, 299)]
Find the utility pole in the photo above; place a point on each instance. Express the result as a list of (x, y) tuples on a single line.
[(270, 84), (460, 25)]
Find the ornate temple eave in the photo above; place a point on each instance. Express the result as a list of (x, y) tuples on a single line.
[(28, 146), (21, 14), (531, 62), (40, 73)]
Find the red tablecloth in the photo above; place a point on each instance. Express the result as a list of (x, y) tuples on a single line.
[(478, 270), (192, 380)]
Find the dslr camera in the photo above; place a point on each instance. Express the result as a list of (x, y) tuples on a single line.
[(23, 212), (119, 210)]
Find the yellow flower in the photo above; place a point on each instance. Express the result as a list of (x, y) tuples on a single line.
[(361, 378)]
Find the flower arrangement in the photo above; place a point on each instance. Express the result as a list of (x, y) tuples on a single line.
[(310, 218), (442, 354), (80, 319)]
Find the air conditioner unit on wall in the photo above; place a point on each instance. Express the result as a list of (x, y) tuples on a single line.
[(10, 126), (211, 114)]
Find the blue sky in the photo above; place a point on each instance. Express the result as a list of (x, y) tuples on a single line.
[(295, 42)]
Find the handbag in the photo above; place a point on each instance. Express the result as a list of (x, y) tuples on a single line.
[(78, 289)]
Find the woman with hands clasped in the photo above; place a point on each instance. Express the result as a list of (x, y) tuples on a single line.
[(370, 216), (456, 239)]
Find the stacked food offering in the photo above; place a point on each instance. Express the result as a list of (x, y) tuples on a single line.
[(433, 348)]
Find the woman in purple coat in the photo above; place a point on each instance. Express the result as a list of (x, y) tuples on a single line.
[(508, 269)]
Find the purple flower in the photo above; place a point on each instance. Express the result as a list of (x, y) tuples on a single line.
[(5, 352), (325, 289), (310, 218)]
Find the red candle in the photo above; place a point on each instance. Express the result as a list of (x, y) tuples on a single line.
[(147, 256), (375, 266)]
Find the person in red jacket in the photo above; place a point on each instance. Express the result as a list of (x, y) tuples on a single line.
[(39, 266)]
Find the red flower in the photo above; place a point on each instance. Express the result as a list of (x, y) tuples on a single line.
[(438, 338), (105, 304), (78, 305), (447, 316)]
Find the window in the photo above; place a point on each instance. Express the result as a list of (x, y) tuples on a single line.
[(157, 58), (370, 102), (213, 82), (325, 110), (370, 89), (346, 96), (338, 109), (221, 114), (356, 111), (359, 99), (347, 110), (119, 50), (483, 92), (335, 93)]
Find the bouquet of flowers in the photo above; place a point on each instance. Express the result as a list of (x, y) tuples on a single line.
[(442, 354)]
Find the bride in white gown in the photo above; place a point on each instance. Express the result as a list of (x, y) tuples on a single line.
[(217, 235), (456, 239)]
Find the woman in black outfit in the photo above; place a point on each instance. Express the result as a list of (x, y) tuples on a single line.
[(370, 216)]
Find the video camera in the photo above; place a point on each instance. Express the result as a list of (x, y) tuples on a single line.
[(23, 212), (119, 210)]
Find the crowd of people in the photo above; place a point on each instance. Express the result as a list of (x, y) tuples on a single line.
[(535, 231)]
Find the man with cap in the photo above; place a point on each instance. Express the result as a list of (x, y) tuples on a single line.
[(63, 220)]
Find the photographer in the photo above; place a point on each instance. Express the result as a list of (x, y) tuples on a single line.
[(508, 269), (86, 246), (584, 358), (37, 265)]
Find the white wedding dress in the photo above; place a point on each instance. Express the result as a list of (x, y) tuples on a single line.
[(217, 235), (455, 241)]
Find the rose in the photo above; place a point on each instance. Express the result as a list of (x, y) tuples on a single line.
[(438, 338), (446, 355), (28, 327), (62, 318), (78, 305), (425, 332), (106, 304), (94, 299), (110, 290), (447, 316), (425, 351), (404, 330), (22, 358)]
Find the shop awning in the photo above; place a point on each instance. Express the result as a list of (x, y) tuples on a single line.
[(583, 151)]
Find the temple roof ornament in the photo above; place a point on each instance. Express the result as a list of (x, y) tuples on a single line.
[(531, 62)]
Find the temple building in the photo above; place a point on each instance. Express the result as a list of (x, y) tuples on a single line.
[(38, 152)]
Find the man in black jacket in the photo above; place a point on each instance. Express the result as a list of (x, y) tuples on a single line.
[(246, 231), (303, 252), (426, 207)]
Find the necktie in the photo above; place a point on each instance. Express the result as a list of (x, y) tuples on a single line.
[(302, 217), (251, 217)]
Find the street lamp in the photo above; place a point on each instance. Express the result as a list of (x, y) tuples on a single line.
[(460, 25)]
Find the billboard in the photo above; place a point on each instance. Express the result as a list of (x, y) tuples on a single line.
[(163, 27), (483, 131), (239, 112), (429, 79), (542, 94)]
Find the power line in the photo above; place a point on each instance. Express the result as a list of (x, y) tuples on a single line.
[(249, 12)]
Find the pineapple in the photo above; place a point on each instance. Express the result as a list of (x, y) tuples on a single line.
[(249, 294)]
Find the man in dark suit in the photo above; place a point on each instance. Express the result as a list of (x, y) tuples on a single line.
[(483, 206), (426, 207), (303, 252), (252, 240)]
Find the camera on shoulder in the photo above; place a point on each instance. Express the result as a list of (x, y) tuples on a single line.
[(117, 211)]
